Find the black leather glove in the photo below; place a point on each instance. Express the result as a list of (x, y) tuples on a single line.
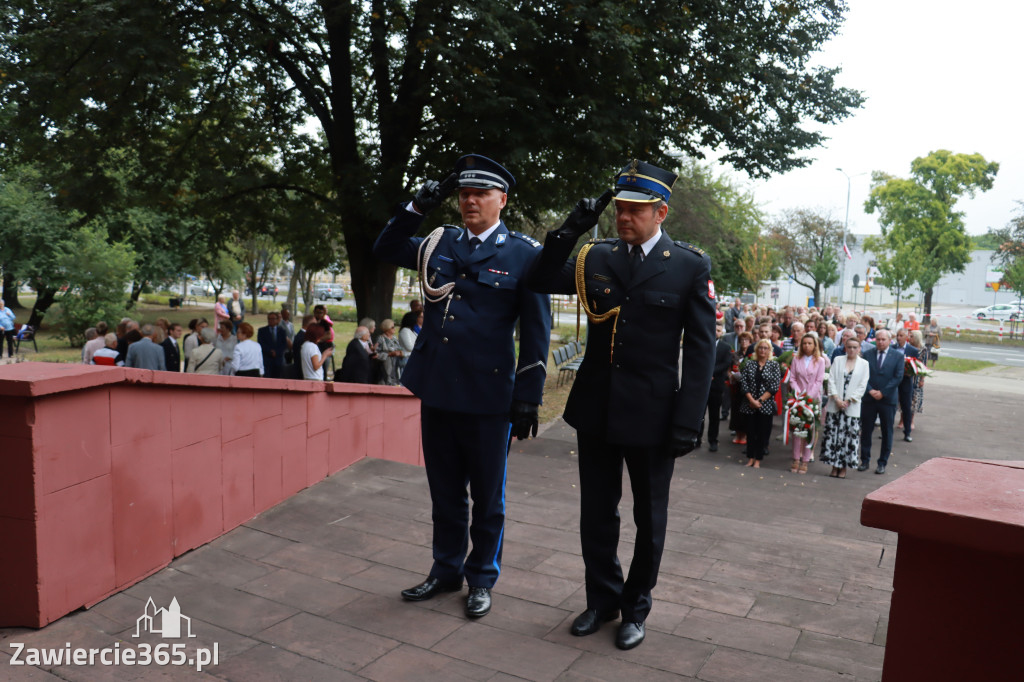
[(584, 216), (524, 419), (432, 193), (683, 442)]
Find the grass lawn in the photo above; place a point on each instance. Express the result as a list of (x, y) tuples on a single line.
[(948, 364)]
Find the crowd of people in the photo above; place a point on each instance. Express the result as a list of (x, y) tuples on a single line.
[(233, 347), (830, 376)]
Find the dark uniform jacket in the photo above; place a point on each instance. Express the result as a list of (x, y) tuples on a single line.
[(635, 398), (464, 358)]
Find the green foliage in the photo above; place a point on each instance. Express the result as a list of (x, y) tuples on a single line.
[(97, 272), (716, 214), (212, 98), (898, 264), (808, 243), (917, 214)]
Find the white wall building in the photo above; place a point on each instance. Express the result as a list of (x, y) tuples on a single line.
[(967, 288)]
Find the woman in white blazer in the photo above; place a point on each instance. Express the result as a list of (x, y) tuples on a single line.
[(847, 382)]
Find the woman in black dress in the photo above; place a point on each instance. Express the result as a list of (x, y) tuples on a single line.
[(759, 382)]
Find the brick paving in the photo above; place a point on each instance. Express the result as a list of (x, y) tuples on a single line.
[(768, 575)]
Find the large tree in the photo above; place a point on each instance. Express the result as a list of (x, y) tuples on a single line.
[(918, 213), (1009, 250), (717, 214), (808, 242), (561, 92)]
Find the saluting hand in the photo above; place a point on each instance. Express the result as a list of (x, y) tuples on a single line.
[(433, 193), (584, 216)]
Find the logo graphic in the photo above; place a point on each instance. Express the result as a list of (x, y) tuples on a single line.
[(164, 622)]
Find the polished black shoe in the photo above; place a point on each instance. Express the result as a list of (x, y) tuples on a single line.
[(713, 446), (590, 621), (478, 603), (428, 589), (880, 469), (862, 467), (630, 635), (908, 439)]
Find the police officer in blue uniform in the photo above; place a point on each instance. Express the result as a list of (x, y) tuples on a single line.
[(640, 292), (474, 397)]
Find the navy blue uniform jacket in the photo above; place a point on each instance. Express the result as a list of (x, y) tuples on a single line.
[(464, 359), (636, 398)]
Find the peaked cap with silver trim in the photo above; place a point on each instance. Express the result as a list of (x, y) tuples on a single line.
[(483, 173)]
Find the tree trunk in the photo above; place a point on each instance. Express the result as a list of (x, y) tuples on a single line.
[(44, 300), (373, 281), (928, 302), (11, 292)]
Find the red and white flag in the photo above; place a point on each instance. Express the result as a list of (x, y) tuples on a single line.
[(846, 250)]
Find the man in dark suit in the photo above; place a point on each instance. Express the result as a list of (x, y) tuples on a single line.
[(880, 400), (172, 354), (463, 367), (723, 362), (906, 392), (355, 368), (732, 338), (274, 343), (640, 292)]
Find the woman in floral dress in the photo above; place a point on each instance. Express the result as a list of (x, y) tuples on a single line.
[(847, 381)]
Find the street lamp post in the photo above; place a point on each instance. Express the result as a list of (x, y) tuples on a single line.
[(846, 225)]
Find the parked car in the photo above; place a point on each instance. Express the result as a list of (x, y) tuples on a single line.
[(324, 292), (200, 288), (1000, 311)]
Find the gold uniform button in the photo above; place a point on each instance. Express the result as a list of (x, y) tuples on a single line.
[(607, 291), (458, 297), (462, 276), (451, 317), (444, 340), (666, 254), (495, 370), (495, 284)]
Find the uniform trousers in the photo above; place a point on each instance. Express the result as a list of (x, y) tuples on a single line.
[(461, 450), (650, 475), (869, 409), (906, 394)]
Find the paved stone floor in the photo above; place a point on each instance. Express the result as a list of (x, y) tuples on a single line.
[(767, 575)]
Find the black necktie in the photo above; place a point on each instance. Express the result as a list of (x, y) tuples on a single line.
[(881, 359), (474, 243), (636, 257)]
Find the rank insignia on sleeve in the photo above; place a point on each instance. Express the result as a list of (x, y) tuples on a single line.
[(711, 289)]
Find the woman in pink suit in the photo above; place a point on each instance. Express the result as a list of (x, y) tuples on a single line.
[(806, 375)]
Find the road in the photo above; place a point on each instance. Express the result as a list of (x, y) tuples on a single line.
[(1001, 355)]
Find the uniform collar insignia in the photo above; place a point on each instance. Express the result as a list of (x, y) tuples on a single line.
[(500, 239)]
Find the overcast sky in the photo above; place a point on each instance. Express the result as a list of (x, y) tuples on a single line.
[(937, 75)]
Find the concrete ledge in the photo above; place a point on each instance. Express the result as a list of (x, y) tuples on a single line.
[(109, 473), (956, 603)]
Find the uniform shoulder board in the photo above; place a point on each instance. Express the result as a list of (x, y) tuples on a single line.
[(690, 247), (526, 238)]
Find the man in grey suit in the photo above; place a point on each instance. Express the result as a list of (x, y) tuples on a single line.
[(144, 354), (883, 387)]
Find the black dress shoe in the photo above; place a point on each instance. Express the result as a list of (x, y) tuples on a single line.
[(862, 467), (478, 603), (713, 446), (630, 635), (590, 621), (908, 439), (880, 469), (429, 588)]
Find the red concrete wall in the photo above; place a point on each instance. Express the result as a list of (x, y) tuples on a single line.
[(108, 473), (956, 602)]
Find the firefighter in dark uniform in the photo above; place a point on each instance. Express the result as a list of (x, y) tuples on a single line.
[(640, 292), (474, 397)]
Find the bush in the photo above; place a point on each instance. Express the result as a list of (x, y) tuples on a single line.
[(97, 273)]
